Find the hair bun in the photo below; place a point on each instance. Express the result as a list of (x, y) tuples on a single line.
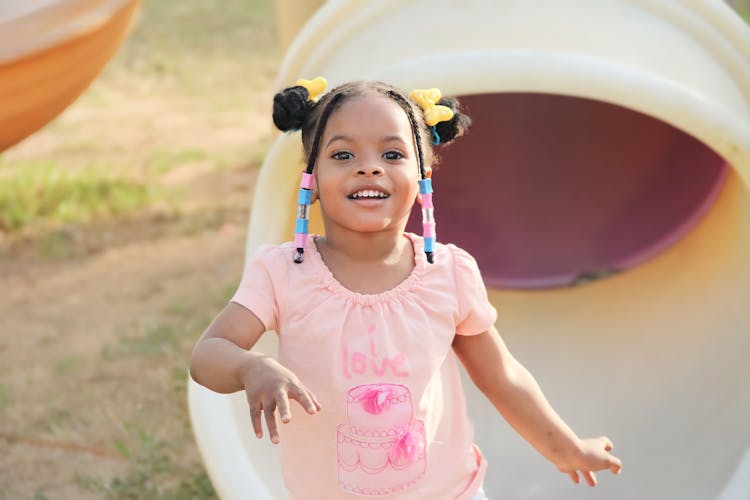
[(291, 107), (456, 126)]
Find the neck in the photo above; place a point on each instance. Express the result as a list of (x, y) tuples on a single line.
[(378, 246)]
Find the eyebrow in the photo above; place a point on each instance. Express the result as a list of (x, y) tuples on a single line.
[(339, 138), (347, 138), (398, 138)]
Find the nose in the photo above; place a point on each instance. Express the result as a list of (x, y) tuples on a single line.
[(371, 170)]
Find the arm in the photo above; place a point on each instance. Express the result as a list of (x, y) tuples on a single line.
[(222, 362), (513, 391), (222, 353)]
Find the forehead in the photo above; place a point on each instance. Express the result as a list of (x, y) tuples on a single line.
[(370, 114)]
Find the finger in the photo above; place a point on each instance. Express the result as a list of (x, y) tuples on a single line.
[(255, 412), (607, 443), (574, 476), (305, 398), (590, 477), (318, 406), (270, 412), (615, 465), (282, 403)]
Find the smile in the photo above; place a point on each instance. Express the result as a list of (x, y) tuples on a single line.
[(368, 194)]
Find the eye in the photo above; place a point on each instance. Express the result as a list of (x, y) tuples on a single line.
[(393, 155), (342, 155)]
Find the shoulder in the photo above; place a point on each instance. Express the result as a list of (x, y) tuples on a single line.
[(458, 253), (273, 256), (448, 257), (463, 265), (266, 251), (454, 255)]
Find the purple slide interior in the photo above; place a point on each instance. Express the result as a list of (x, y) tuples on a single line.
[(548, 190)]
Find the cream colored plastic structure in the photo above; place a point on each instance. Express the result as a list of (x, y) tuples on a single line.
[(657, 356)]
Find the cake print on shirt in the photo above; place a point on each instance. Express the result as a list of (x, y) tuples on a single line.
[(381, 448)]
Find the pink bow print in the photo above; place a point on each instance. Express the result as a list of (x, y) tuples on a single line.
[(409, 445), (376, 399)]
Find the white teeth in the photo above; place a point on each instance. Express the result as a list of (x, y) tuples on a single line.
[(369, 193)]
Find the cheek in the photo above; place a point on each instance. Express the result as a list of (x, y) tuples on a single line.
[(410, 185), (324, 182), (413, 191), (408, 195)]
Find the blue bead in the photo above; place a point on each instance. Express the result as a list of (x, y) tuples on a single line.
[(425, 186), (305, 196), (429, 244), (301, 226)]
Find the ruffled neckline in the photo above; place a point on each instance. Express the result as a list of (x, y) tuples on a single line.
[(331, 283)]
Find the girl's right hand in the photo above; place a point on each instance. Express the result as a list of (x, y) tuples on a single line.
[(268, 386)]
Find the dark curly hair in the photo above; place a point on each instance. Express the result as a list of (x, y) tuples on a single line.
[(294, 110)]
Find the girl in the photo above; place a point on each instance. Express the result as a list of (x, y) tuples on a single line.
[(371, 319)]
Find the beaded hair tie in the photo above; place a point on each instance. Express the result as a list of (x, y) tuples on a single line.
[(433, 114), (428, 218), (303, 210)]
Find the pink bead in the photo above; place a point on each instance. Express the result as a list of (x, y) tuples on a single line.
[(427, 200), (428, 229), (300, 239), (307, 181)]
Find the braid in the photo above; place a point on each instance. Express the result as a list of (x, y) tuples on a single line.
[(425, 184), (319, 132), (414, 127)]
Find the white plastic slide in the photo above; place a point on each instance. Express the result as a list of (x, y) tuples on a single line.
[(604, 189)]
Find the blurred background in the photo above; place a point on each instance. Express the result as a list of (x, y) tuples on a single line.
[(122, 227), (122, 233)]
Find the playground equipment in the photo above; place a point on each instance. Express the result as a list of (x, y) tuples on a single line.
[(613, 138), (50, 51)]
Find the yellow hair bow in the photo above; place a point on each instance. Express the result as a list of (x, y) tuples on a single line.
[(314, 87), (433, 113)]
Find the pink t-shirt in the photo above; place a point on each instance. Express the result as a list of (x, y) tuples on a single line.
[(393, 419)]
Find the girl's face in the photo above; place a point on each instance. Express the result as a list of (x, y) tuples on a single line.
[(367, 169)]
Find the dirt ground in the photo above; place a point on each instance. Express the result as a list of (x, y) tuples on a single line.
[(86, 375)]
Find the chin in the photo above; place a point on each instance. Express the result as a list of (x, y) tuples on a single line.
[(371, 227)]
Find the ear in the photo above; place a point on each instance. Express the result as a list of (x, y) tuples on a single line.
[(419, 199), (314, 190), (314, 196)]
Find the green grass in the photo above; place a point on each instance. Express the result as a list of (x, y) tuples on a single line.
[(66, 365), (189, 69), (153, 473), (42, 192), (743, 9), (156, 340), (163, 160)]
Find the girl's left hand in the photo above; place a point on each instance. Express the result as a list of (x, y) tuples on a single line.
[(592, 455)]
